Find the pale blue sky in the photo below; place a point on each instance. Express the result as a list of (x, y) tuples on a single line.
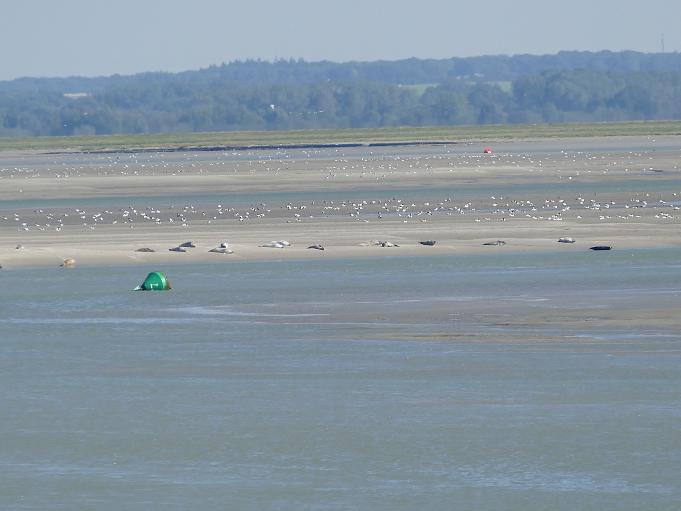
[(96, 37)]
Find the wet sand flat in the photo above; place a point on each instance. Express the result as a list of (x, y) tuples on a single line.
[(100, 208)]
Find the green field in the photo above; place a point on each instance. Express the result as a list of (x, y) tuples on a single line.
[(254, 139)]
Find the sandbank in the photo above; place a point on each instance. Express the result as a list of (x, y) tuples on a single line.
[(99, 209)]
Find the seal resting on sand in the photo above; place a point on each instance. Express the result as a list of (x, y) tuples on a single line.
[(276, 244), (145, 249), (68, 263), (317, 247), (428, 243), (221, 250)]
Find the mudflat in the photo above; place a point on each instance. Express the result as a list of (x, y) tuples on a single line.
[(101, 208)]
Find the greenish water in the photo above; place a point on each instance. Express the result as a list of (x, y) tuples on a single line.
[(405, 383)]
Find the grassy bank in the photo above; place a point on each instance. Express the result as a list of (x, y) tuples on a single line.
[(344, 136)]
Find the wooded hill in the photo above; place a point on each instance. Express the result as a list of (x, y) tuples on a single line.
[(257, 95)]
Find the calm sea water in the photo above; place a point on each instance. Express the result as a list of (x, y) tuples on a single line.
[(486, 383)]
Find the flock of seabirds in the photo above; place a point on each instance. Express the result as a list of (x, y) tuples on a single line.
[(490, 209)]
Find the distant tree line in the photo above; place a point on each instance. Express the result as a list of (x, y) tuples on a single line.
[(255, 95)]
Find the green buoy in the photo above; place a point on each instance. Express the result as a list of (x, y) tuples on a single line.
[(155, 281)]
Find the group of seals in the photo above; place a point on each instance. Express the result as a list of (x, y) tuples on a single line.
[(222, 248)]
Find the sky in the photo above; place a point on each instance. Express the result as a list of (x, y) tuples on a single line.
[(41, 38)]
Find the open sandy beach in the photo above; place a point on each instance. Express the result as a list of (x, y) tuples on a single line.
[(99, 209)]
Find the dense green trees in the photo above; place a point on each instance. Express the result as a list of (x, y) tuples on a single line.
[(296, 95)]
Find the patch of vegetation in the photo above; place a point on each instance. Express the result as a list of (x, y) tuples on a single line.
[(296, 95)]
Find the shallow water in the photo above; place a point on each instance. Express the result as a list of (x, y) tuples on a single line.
[(578, 179), (569, 189), (488, 382)]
